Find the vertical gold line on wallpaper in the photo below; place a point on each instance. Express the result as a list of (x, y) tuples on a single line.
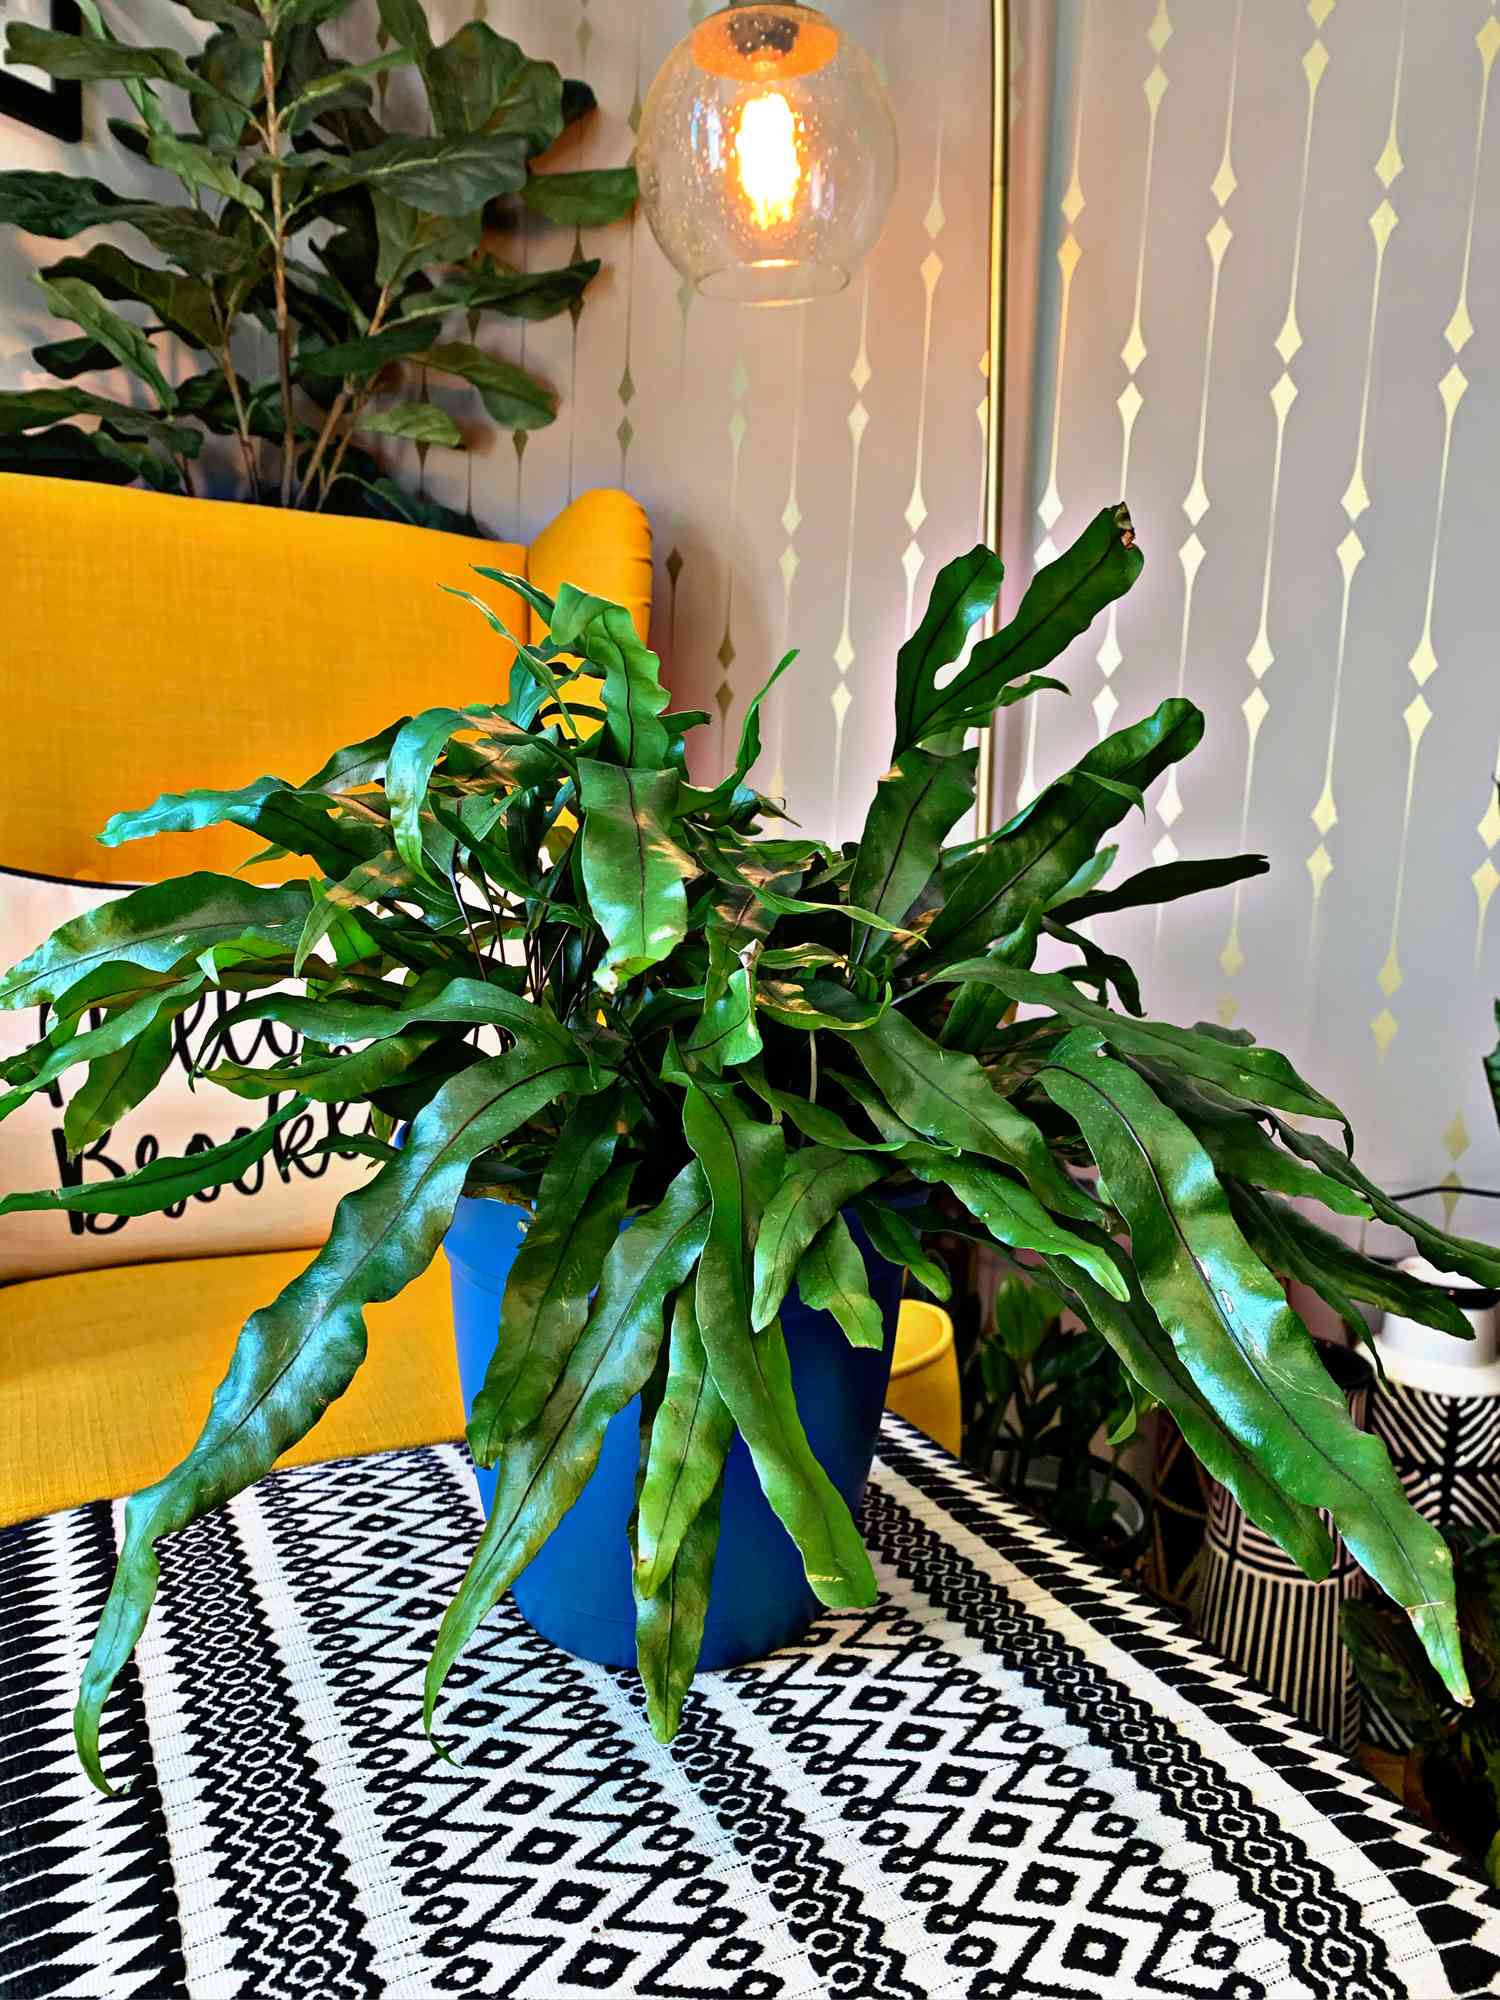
[(791, 521), (1485, 878), (990, 412), (1424, 662), (1196, 502), (1050, 506), (1288, 343), (931, 271), (583, 35), (1356, 498), (739, 384), (625, 433), (843, 653), (1133, 353)]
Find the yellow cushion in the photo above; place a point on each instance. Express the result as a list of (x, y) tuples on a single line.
[(106, 1376), (924, 1374)]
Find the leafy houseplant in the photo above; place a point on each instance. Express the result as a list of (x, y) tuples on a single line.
[(1037, 1392), (308, 227), (587, 983), (1453, 1770)]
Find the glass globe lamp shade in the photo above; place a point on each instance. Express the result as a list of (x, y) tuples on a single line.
[(767, 155)]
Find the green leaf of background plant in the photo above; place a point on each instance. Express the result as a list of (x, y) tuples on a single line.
[(85, 59), (742, 1163), (528, 295), (299, 1353), (183, 304), (200, 167), (543, 1471), (1012, 1214), (583, 200), (631, 868), (161, 1182), (449, 174), (831, 1277), (513, 398), (74, 299), (36, 409), (157, 928), (691, 1433), (1243, 1345), (327, 1079), (815, 1185), (556, 1269), (477, 81)]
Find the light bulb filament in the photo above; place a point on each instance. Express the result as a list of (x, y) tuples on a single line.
[(769, 158)]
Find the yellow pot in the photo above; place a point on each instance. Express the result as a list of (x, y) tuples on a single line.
[(924, 1375)]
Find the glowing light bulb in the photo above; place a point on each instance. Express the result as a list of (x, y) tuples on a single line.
[(768, 157)]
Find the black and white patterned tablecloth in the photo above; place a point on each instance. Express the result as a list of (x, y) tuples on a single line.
[(1013, 1777)]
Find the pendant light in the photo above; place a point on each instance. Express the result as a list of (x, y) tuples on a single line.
[(767, 154)]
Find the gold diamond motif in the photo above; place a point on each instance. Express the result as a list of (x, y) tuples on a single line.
[(1486, 879), (1155, 88), (860, 373), (1456, 1138), (1255, 708), (1196, 504), (1231, 958), (1285, 393), (1390, 162), (1319, 10), (1165, 851), (1382, 222), (1218, 240), (1325, 815), (791, 515), (932, 270), (1109, 655), (1226, 1010), (1356, 495), (1068, 254), (737, 428), (1072, 203), (1423, 662), (1489, 826), (1459, 331), (1488, 40), (1417, 715), (1351, 553), (1260, 655), (1223, 184), (1390, 975), (1104, 706), (790, 564), (1319, 867), (1128, 403), (1452, 388), (934, 219), (859, 417), (843, 652), (1384, 1029), (1314, 63), (839, 702), (1133, 353), (1160, 31), (1190, 555), (1050, 506), (916, 510), (911, 564), (1169, 805)]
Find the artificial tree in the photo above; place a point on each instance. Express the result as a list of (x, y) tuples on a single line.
[(309, 227)]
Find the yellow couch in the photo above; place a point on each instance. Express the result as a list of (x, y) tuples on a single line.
[(155, 644)]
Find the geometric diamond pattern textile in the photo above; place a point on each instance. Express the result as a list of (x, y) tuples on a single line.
[(1013, 1776)]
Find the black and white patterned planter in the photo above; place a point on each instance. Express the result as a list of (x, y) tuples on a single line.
[(1257, 1607)]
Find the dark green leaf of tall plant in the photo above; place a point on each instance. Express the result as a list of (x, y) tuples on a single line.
[(1046, 845), (831, 1278), (77, 300), (916, 806), (742, 1162), (1145, 1347), (964, 592), (1241, 1342), (157, 928), (894, 1239), (161, 1182), (299, 1353), (477, 81), (513, 398), (1011, 1213), (669, 1624), (450, 174), (814, 1187), (183, 304), (543, 1472), (556, 1271), (632, 869), (945, 1095), (691, 1433), (1259, 1076), (85, 59), (1163, 885)]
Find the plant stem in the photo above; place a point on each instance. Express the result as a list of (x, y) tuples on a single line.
[(336, 410), (278, 277)]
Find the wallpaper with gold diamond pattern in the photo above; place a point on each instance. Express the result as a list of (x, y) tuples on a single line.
[(1264, 241)]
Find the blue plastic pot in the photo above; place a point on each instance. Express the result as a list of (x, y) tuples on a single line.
[(576, 1591)]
